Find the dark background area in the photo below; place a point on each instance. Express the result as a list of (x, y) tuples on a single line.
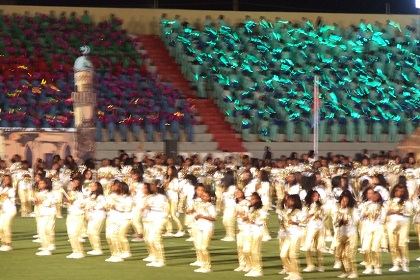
[(329, 6)]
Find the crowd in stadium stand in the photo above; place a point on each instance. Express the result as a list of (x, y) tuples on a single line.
[(36, 78), (262, 73)]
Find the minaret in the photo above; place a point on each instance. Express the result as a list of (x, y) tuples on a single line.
[(84, 105)]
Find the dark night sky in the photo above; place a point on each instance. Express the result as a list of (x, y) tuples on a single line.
[(333, 6)]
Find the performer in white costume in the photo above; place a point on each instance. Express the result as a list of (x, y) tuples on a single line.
[(7, 212)]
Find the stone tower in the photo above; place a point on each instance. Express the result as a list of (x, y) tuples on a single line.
[(84, 105)]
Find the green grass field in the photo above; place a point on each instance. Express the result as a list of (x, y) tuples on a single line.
[(22, 263)]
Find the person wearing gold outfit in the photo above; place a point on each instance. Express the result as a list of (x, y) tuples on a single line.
[(112, 222), (124, 207), (263, 189), (146, 220), (192, 193), (242, 207), (314, 220), (255, 219), (96, 217), (416, 220), (229, 203), (75, 218), (218, 175), (205, 215), (136, 189), (398, 222), (372, 217), (158, 210), (35, 191), (106, 175), (7, 212), (290, 235), (46, 201), (247, 183), (24, 187), (381, 186), (172, 189), (345, 220), (57, 187), (331, 207), (87, 182), (192, 206)]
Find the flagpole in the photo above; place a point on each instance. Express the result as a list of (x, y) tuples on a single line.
[(316, 117)]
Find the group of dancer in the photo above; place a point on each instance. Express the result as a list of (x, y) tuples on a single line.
[(313, 203)]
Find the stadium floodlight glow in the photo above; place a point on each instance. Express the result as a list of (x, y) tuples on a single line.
[(418, 4)]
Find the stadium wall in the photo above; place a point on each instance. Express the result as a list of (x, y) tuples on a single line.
[(146, 21), (32, 144)]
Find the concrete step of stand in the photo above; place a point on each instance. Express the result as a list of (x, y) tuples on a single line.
[(168, 69)]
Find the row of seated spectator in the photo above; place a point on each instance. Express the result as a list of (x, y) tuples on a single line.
[(127, 102), (51, 43), (262, 75), (36, 78), (142, 102)]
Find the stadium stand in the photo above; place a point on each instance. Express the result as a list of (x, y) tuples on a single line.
[(36, 78), (261, 74), (256, 74)]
